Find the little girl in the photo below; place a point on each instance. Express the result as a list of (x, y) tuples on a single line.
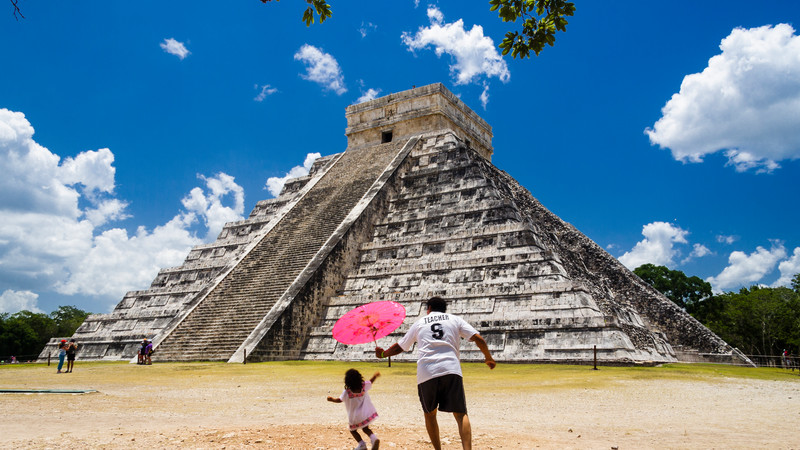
[(360, 411)]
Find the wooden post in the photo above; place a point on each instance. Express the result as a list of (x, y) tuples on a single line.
[(595, 357), (48, 359), (390, 361), (244, 359)]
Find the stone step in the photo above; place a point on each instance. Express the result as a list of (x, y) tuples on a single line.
[(231, 311)]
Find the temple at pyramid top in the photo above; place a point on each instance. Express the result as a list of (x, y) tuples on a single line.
[(413, 112), (412, 208)]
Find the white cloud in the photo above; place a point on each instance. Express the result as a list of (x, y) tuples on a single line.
[(485, 95), (370, 94), (746, 102), (14, 301), (51, 209), (93, 169), (114, 263), (366, 28), (746, 269), (265, 90), (275, 184), (788, 268), (174, 47), (435, 15), (475, 54), (744, 161), (209, 206), (657, 247), (107, 210), (698, 251), (722, 239), (321, 68)]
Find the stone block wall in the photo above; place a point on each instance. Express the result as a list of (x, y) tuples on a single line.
[(414, 112), (450, 231), (289, 335)]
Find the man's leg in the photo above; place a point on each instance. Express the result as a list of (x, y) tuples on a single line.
[(432, 425), (464, 429)]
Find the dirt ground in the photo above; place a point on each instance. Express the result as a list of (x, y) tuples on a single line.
[(282, 406)]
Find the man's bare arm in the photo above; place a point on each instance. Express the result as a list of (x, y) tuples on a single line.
[(481, 343), (391, 351)]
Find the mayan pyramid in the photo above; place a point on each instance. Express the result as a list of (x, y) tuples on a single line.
[(412, 208)]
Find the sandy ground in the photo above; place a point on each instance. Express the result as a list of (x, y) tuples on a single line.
[(282, 406)]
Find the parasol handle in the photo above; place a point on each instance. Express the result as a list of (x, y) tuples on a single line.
[(376, 344)]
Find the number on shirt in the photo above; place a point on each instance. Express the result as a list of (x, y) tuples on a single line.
[(438, 331)]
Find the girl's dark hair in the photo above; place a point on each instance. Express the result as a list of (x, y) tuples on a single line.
[(353, 380)]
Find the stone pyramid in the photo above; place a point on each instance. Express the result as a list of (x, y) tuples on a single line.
[(412, 208)]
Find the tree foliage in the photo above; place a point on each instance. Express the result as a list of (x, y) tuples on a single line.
[(540, 20), (320, 7), (757, 320), (685, 291), (24, 334)]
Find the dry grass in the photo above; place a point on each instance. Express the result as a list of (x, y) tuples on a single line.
[(282, 405)]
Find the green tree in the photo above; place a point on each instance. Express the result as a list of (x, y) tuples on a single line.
[(686, 292), (68, 319), (759, 320), (25, 333), (540, 20), (320, 7)]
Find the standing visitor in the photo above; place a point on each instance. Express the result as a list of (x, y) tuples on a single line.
[(439, 380), (148, 351), (72, 348), (62, 353), (141, 358)]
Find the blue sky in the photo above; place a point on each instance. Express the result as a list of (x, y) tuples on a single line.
[(668, 132)]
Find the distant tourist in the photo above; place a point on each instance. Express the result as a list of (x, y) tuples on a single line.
[(148, 352), (72, 349), (439, 380), (13, 359), (360, 410), (62, 353), (142, 358)]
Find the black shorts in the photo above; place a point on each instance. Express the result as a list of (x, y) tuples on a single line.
[(445, 392), (71, 357)]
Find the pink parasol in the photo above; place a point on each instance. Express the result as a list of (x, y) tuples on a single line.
[(369, 322)]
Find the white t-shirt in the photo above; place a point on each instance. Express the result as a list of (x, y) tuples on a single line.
[(438, 336)]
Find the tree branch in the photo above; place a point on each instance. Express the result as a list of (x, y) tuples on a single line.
[(14, 3)]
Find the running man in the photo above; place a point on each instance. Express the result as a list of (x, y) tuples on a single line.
[(439, 380)]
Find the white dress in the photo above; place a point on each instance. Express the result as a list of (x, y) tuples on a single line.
[(360, 410)]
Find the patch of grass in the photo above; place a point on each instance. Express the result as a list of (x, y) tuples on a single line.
[(529, 377)]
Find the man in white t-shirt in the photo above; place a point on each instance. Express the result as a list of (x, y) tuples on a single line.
[(439, 381)]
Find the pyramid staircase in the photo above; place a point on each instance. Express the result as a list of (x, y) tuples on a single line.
[(227, 317)]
